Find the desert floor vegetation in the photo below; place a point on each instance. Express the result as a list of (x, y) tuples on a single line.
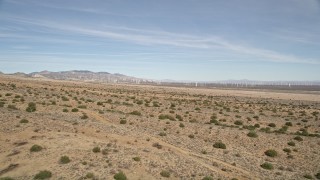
[(65, 129)]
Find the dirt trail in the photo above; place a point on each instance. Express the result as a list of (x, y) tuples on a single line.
[(234, 171), (194, 156)]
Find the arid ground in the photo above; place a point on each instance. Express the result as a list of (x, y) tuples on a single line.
[(76, 130)]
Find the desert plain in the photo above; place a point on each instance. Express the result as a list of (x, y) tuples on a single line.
[(80, 130)]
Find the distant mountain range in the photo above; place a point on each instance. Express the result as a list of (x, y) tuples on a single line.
[(83, 75), (105, 77)]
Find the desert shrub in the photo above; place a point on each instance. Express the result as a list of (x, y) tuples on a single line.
[(6, 178), (181, 125), (123, 121), (287, 150), (271, 153), (96, 149), (82, 107), (64, 159), (136, 113), (291, 143), (237, 122), (272, 125), (139, 102), (74, 110), (64, 98), (90, 175), (165, 173), (317, 175), (298, 138), (267, 166), (256, 117), (219, 145), (24, 121), (162, 134), (179, 117), (31, 107), (207, 178), (214, 121), (2, 104), (288, 124), (35, 148), (252, 134), (11, 106), (307, 176), (191, 136), (282, 130), (136, 158), (237, 116), (43, 175), (157, 145), (120, 176), (250, 127), (84, 116), (65, 110), (204, 152), (166, 116), (99, 103)]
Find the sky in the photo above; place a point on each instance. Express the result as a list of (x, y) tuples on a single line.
[(201, 40)]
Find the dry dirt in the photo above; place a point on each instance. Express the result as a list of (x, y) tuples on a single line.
[(162, 129)]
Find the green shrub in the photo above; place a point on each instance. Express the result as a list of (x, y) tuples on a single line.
[(181, 125), (271, 153), (82, 107), (166, 116), (31, 107), (287, 150), (96, 149), (162, 134), (317, 175), (191, 136), (252, 134), (90, 175), (207, 178), (298, 138), (43, 175), (36, 148), (65, 110), (6, 178), (10, 106), (84, 116), (123, 121), (307, 176), (64, 98), (74, 110), (267, 166), (136, 158), (120, 176), (64, 159), (272, 125), (136, 113), (219, 145), (24, 121), (291, 143), (288, 124), (165, 174), (237, 122)]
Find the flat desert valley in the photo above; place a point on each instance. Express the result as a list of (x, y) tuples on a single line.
[(76, 130)]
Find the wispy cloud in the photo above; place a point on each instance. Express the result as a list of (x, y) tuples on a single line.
[(295, 36), (150, 37)]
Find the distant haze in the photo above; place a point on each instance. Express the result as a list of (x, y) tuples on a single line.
[(266, 40)]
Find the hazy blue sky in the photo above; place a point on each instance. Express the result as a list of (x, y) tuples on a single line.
[(164, 39)]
